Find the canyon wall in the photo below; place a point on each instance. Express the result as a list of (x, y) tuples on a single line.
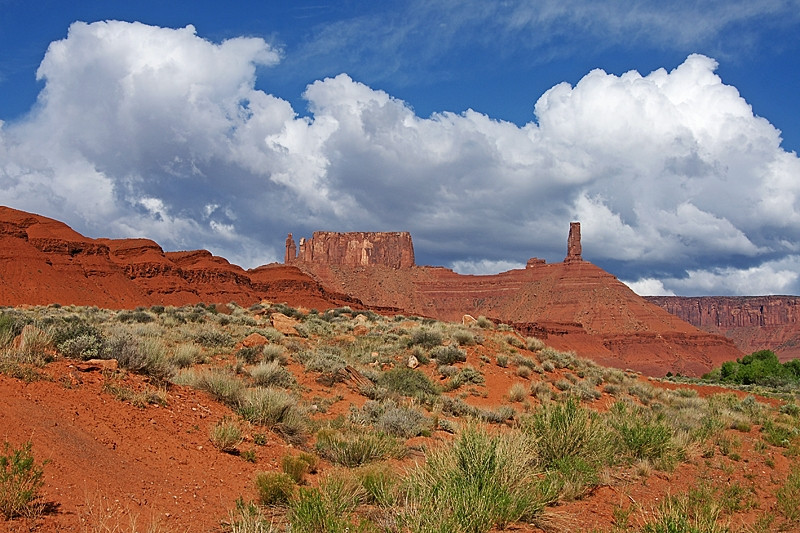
[(751, 322)]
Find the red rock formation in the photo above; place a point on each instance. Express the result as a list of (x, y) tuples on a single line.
[(355, 249), (291, 250), (573, 305), (43, 261), (751, 322), (574, 243)]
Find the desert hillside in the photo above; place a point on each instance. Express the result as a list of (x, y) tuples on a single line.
[(226, 419)]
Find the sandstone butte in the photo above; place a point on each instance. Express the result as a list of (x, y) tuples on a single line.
[(572, 305)]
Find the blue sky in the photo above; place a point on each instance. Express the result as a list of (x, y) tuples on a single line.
[(484, 128)]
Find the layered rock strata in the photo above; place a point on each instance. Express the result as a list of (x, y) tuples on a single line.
[(354, 249), (751, 322)]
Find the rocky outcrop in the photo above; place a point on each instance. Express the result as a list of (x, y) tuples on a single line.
[(43, 261), (354, 249), (751, 322), (574, 249)]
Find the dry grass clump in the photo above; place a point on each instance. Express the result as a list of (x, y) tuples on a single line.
[(272, 373), (226, 435)]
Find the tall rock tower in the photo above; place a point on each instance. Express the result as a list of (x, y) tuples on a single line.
[(291, 250), (574, 243)]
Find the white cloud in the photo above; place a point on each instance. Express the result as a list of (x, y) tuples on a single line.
[(649, 287), (771, 277), (156, 132), (484, 267)]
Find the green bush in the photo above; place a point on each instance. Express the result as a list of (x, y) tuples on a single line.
[(325, 509), (379, 483), (639, 434), (297, 466), (408, 382), (758, 368), (447, 355), (20, 481), (355, 448), (425, 337), (272, 373), (788, 496), (478, 483), (274, 488), (221, 384), (226, 435), (564, 430), (273, 408), (143, 355)]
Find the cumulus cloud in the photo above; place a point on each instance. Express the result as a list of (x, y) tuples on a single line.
[(157, 132)]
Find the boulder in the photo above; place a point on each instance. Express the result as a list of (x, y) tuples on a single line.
[(284, 324)]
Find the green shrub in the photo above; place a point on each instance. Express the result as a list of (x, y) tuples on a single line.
[(140, 317), (273, 408), (517, 392), (272, 373), (408, 382), (639, 434), (221, 384), (425, 337), (145, 355), (20, 481), (447, 355), (478, 483), (274, 488), (274, 352), (226, 435), (297, 466), (464, 376), (325, 362), (325, 509), (185, 355), (788, 496), (11, 325), (379, 483), (356, 448), (211, 337), (249, 354), (464, 337), (389, 417), (564, 430), (247, 517)]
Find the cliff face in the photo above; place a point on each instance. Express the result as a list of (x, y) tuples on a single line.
[(43, 261), (354, 249), (751, 322)]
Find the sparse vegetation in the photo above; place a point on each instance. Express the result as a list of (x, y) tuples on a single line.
[(481, 456), (21, 481)]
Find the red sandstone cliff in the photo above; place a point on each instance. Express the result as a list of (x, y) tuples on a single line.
[(751, 322), (353, 249), (43, 261)]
